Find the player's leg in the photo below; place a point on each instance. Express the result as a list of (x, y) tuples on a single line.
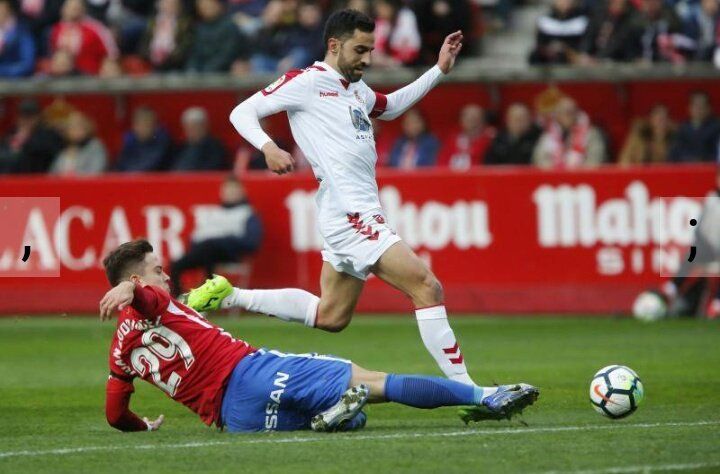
[(422, 391), (339, 293), (331, 312), (402, 268)]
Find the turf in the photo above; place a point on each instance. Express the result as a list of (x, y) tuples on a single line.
[(53, 371)]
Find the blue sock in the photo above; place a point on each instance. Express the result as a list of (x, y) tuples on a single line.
[(422, 391)]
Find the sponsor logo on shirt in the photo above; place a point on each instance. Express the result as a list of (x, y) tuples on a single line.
[(359, 119), (359, 98), (328, 94), (271, 409)]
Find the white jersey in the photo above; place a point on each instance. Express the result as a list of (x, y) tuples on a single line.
[(330, 121)]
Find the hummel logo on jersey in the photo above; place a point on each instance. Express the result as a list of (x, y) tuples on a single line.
[(328, 94)]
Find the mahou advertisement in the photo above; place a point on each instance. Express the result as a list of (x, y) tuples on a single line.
[(500, 240)]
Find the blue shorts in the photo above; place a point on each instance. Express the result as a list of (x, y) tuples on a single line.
[(273, 391)]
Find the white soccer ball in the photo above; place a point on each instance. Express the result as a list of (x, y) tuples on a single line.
[(649, 306), (616, 391)]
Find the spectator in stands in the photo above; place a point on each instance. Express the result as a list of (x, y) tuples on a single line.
[(416, 147), (570, 140), (515, 144), (703, 26), (40, 16), (660, 29), (87, 40), (201, 151), (168, 37), (127, 18), (146, 146), (217, 41), (613, 34), (31, 146), (247, 15), (284, 43), (697, 139), (467, 146), (62, 64), (559, 33), (649, 140), (84, 153), (222, 234), (17, 46), (397, 38), (437, 19)]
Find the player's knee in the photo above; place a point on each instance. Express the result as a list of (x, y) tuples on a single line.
[(333, 321), (429, 290)]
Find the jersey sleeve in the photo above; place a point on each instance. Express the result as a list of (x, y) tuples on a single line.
[(150, 301), (289, 93), (117, 405), (395, 104)]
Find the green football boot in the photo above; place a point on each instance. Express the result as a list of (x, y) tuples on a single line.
[(209, 296)]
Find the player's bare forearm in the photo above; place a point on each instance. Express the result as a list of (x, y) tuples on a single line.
[(117, 298), (449, 51)]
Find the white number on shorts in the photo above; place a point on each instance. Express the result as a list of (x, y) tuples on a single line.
[(166, 344)]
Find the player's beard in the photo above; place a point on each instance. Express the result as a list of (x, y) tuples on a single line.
[(349, 70)]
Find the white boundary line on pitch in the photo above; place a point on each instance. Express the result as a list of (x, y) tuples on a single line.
[(644, 469), (351, 437)]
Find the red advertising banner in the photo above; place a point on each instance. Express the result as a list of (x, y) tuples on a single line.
[(500, 240)]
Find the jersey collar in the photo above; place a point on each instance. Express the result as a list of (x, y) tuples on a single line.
[(332, 70)]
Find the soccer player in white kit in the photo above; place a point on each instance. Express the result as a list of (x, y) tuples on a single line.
[(329, 108)]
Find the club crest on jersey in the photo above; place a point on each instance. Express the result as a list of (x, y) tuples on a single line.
[(359, 121)]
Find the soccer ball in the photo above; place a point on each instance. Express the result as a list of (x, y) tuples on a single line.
[(649, 306), (616, 391)]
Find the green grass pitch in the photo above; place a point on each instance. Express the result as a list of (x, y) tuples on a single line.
[(53, 372)]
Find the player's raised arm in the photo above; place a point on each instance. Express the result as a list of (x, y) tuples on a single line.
[(288, 94), (395, 104), (117, 407)]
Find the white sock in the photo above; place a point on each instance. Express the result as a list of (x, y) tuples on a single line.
[(440, 341), (288, 304)]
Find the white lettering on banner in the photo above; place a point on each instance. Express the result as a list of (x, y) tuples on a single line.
[(432, 225), (38, 238), (610, 261), (170, 234), (118, 231), (164, 224), (62, 239), (569, 216)]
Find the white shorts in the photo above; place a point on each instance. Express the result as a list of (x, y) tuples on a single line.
[(353, 243)]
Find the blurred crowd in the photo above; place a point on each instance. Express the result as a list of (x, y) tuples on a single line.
[(110, 38), (555, 133), (587, 32), (115, 37)]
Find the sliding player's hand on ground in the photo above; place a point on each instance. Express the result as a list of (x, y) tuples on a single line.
[(117, 298), (449, 51), (278, 160), (155, 424)]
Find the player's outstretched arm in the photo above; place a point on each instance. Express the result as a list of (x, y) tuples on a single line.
[(449, 51), (395, 104), (117, 408)]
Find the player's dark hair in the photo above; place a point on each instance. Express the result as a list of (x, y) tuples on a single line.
[(121, 262), (343, 23)]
